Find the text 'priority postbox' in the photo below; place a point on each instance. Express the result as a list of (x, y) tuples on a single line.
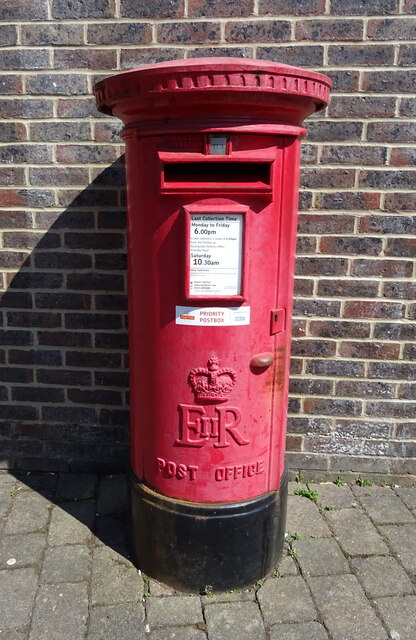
[(212, 157)]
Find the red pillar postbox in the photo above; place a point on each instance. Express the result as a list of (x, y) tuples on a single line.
[(212, 155)]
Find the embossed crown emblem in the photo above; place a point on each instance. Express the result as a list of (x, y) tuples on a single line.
[(212, 384)]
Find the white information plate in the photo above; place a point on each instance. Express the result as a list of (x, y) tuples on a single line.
[(215, 248), (213, 316)]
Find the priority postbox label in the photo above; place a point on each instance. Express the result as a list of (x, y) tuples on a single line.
[(213, 316), (215, 247)]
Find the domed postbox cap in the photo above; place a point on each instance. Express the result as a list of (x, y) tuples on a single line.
[(227, 88)]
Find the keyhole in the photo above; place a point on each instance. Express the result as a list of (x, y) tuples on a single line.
[(276, 317)]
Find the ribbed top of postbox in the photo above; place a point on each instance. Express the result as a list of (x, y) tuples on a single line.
[(209, 80)]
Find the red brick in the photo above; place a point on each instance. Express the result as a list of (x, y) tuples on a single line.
[(188, 33), (370, 309), (52, 34), (327, 131), (303, 287), (12, 176), (85, 59), (391, 409), (12, 259), (365, 389), (11, 84), (85, 154), (107, 131), (361, 7), (8, 34), (401, 247), (223, 52), (332, 406), (305, 307), (388, 224), (29, 240), (293, 443), (119, 33), (370, 350), (259, 31), (348, 288), (389, 81), (344, 80), (305, 244), (400, 202), (298, 328), (362, 107), (375, 179), (392, 29), (103, 397), (26, 108), (403, 156), (320, 178), (157, 9), (353, 155), (132, 58), (12, 132), (407, 107), (220, 8), (351, 245), (339, 329), (364, 55), (276, 7), (313, 348), (349, 200), (58, 175), (315, 223), (24, 59), (407, 55), (392, 370), (329, 30), (406, 430), (15, 220), (321, 266), (391, 131), (382, 268), (17, 10), (294, 55), (395, 330), (79, 9)]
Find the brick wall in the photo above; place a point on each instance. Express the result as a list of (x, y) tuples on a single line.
[(63, 348)]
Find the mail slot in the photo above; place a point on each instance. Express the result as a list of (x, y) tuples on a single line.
[(212, 156)]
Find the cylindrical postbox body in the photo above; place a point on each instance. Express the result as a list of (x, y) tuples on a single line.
[(212, 156)]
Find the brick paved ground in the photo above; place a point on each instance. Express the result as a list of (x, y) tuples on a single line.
[(348, 571)]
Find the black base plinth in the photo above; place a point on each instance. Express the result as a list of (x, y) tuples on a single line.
[(195, 547)]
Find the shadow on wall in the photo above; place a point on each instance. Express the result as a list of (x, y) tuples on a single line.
[(64, 387)]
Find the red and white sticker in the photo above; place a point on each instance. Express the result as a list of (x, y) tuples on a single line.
[(213, 316)]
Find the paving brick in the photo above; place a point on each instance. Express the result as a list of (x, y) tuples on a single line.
[(299, 631), (18, 589), (408, 495), (6, 489), (111, 530), (121, 621), (112, 496), (234, 595), (286, 600), (303, 517), (355, 532), (320, 557), (30, 512), (238, 619), (287, 567), (176, 633), (177, 609), (387, 509), (159, 589), (114, 579), (332, 495), (65, 564), (25, 548), (71, 523), (345, 609), (381, 576), (60, 612), (403, 542), (74, 486), (399, 615)]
